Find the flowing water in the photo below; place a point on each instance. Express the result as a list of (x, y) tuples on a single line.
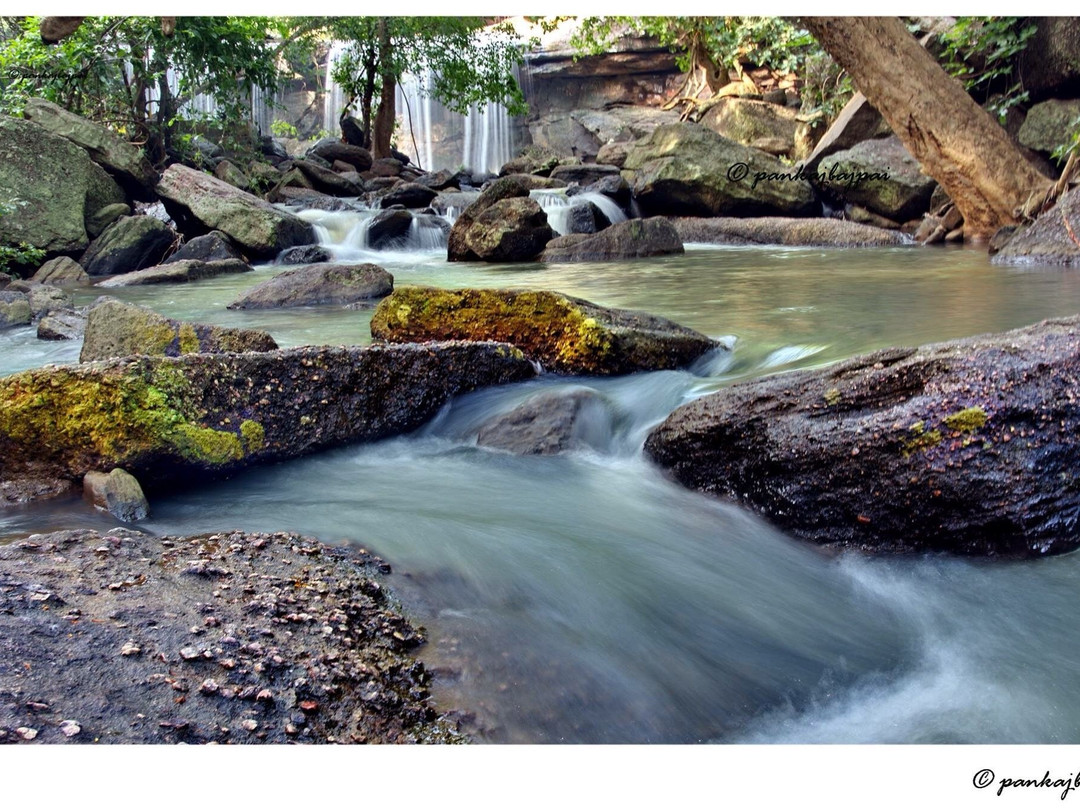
[(584, 598)]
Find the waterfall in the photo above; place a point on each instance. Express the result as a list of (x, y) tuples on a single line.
[(556, 204), (334, 99)]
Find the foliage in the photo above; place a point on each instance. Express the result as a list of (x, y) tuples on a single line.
[(983, 52), (281, 128), (827, 87), (1072, 146), (23, 254)]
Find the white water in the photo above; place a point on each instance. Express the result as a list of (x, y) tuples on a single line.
[(557, 205)]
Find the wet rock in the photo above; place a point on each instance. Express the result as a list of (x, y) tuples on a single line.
[(583, 174), (309, 198), (60, 271), (333, 149), (388, 227), (636, 238), (118, 493), (128, 244), (318, 285), (310, 254), (565, 334), (117, 329), (585, 217), (781, 230), (1053, 238), (613, 154), (42, 299), (549, 423), (185, 271), (506, 188), (98, 221), (327, 180), (14, 309), (408, 194), (881, 176), (513, 229), (65, 324), (966, 446), (203, 415), (198, 201), (1049, 124), (214, 246)]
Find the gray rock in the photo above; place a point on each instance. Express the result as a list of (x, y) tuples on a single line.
[(550, 423), (97, 221), (857, 121), (525, 235), (317, 285), (327, 181), (613, 154), (635, 238), (14, 309), (227, 171), (585, 217), (214, 246), (387, 227), (309, 254), (60, 271), (1049, 124), (1048, 240), (781, 230), (879, 175), (118, 493), (44, 299), (757, 124), (408, 194), (128, 244), (63, 324), (177, 272), (583, 174), (333, 149)]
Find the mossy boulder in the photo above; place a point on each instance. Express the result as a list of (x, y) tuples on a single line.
[(510, 230), (318, 285), (880, 175), (636, 238), (1049, 124), (199, 203), (14, 309), (178, 272), (128, 244), (116, 329), (757, 124), (970, 446), (204, 415), (565, 334), (459, 241), (117, 492)]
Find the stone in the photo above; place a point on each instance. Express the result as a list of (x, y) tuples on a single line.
[(333, 149), (565, 334), (60, 271), (583, 174), (43, 299), (857, 121), (533, 159), (585, 217), (688, 170), (26, 733), (14, 309), (227, 171), (54, 185), (121, 159), (69, 729), (1050, 124), (130, 649), (388, 227), (550, 423), (177, 272), (782, 230), (197, 200), (409, 194), (318, 285), (115, 329), (118, 493), (97, 222), (533, 237), (1053, 238), (214, 246), (309, 199), (195, 417), (636, 238), (757, 124), (328, 181), (613, 154), (1050, 64), (879, 175), (128, 244), (960, 446), (441, 180), (65, 324), (513, 229), (615, 188), (308, 254), (386, 167), (562, 134)]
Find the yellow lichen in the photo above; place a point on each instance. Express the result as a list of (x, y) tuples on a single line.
[(832, 397), (189, 340)]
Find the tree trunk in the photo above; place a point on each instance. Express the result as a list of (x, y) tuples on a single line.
[(957, 142), (383, 128)]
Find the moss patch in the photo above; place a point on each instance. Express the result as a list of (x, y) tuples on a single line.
[(967, 420), (920, 439), (254, 435)]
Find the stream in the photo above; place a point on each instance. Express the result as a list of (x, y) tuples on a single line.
[(584, 598)]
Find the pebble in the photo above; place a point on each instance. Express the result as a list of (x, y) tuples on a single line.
[(188, 653), (209, 687), (26, 733), (70, 728), (249, 725), (130, 649), (265, 695)]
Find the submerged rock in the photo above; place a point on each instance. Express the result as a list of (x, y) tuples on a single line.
[(1054, 238), (128, 244), (318, 285), (968, 446), (565, 334), (118, 493), (117, 329), (177, 272), (549, 423), (636, 238), (781, 230), (203, 415)]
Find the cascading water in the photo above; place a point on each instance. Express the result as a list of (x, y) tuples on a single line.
[(557, 205)]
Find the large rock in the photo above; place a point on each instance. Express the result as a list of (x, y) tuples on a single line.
[(327, 181), (198, 201), (128, 244), (879, 175), (318, 285), (585, 174), (1050, 64), (214, 246), (1049, 124), (857, 121), (566, 334), (757, 124), (781, 230), (97, 222), (636, 238), (204, 415), (308, 254), (120, 158), (229, 172), (549, 423), (42, 298), (116, 329), (968, 446), (177, 272), (686, 169), (14, 309), (408, 194), (513, 229), (60, 271), (118, 493), (387, 227), (56, 187), (1051, 239), (62, 324), (459, 245), (333, 149)]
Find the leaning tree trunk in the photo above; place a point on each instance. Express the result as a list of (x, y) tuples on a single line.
[(957, 142), (383, 128)]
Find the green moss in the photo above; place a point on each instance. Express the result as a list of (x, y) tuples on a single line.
[(254, 435), (189, 340), (832, 397), (920, 439), (967, 420), (204, 445)]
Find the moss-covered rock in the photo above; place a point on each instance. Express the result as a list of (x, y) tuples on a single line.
[(60, 271), (116, 329), (204, 415), (461, 238), (565, 334), (509, 230), (128, 244)]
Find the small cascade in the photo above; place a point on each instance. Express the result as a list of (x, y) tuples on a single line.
[(557, 205), (347, 233)]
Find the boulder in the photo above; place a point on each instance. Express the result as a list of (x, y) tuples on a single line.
[(387, 227), (1050, 239), (583, 174), (549, 423), (686, 169), (561, 134), (214, 246), (118, 493), (318, 285), (857, 121), (117, 329), (585, 217), (781, 230), (121, 159), (308, 254), (333, 149), (441, 180), (613, 154), (967, 446), (42, 298), (128, 244), (533, 159), (328, 181), (14, 309), (59, 271), (62, 324), (56, 186), (97, 222), (197, 201), (227, 171), (757, 124), (533, 182), (565, 334), (636, 238), (1050, 64), (879, 175), (616, 189), (309, 199), (1050, 124), (194, 417), (409, 194), (386, 167), (491, 234), (177, 272)]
